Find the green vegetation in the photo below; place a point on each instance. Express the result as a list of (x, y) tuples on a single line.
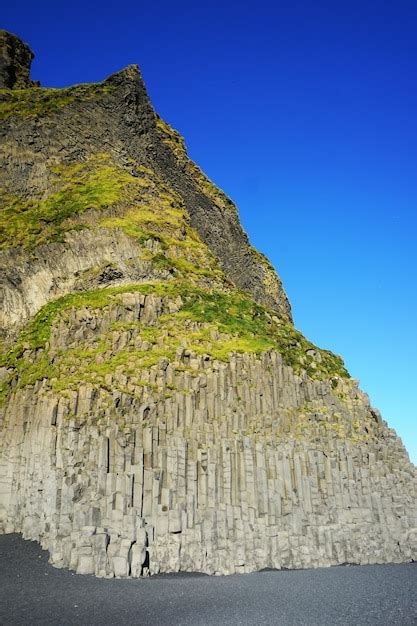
[(171, 138), (174, 140), (38, 331), (240, 317), (143, 206), (216, 195), (159, 215), (261, 258), (213, 323), (93, 184), (314, 419), (41, 102)]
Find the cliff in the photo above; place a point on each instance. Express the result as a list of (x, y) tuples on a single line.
[(160, 412)]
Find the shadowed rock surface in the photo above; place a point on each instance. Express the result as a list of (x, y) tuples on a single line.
[(15, 60), (44, 132), (160, 412)]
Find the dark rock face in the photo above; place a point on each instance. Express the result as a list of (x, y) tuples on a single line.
[(153, 417), (15, 61), (122, 122)]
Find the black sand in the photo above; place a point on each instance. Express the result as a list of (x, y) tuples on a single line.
[(34, 592)]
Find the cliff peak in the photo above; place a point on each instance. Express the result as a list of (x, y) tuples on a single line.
[(159, 412), (69, 128), (15, 60), (129, 73)]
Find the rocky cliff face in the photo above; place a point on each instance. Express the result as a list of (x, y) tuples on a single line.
[(79, 158), (160, 411), (15, 60)]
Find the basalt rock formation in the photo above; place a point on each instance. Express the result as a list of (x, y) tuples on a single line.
[(160, 412), (15, 60)]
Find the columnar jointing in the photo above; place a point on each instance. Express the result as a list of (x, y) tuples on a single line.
[(160, 412), (208, 466)]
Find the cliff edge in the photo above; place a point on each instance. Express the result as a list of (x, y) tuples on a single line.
[(159, 410)]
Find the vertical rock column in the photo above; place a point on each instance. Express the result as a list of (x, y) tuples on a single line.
[(15, 61)]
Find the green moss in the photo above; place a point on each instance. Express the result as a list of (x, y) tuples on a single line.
[(213, 323), (94, 184), (160, 215), (172, 139), (37, 333), (175, 142), (142, 205), (40, 102), (239, 316), (261, 258), (143, 222), (215, 193)]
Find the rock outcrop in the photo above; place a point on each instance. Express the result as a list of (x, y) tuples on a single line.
[(45, 132), (15, 60), (160, 411)]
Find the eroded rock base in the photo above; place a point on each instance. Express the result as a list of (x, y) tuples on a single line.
[(235, 467)]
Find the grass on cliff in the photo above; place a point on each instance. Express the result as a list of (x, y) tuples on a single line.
[(40, 102), (94, 184), (159, 215), (175, 142), (142, 205), (224, 322)]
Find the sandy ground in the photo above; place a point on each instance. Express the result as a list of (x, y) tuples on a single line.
[(34, 592)]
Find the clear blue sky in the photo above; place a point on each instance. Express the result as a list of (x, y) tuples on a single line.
[(304, 112)]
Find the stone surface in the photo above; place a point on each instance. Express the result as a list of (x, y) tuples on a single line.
[(123, 123), (223, 467), (15, 61), (28, 283), (130, 442)]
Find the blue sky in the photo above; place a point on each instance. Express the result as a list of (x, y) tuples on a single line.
[(305, 114)]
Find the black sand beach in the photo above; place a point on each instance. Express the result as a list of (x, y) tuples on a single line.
[(34, 592)]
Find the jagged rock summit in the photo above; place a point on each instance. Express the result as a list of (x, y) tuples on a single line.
[(160, 412), (15, 60)]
